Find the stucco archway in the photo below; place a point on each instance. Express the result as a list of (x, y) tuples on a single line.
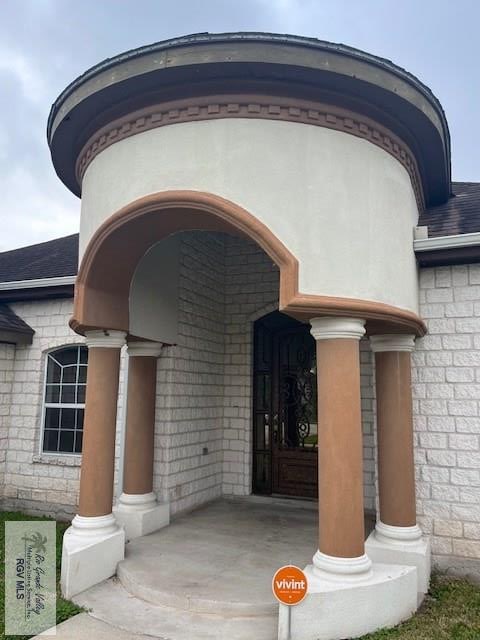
[(101, 290), (107, 267)]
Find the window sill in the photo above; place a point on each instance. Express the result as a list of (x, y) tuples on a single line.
[(68, 460)]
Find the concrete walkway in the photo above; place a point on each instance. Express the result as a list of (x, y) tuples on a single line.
[(84, 627)]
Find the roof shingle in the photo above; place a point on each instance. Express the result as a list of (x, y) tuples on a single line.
[(460, 214), (9, 321), (51, 259)]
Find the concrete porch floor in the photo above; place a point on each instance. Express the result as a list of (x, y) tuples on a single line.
[(208, 575)]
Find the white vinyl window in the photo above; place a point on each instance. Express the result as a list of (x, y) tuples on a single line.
[(64, 400)]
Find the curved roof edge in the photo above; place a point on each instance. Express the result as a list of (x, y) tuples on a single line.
[(410, 93)]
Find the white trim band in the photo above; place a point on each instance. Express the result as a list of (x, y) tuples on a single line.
[(145, 349), (327, 328), (137, 502), (37, 283), (447, 242), (341, 568), (105, 338), (392, 342), (94, 526), (389, 533)]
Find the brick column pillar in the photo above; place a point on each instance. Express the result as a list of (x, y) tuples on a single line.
[(340, 452), (137, 508)]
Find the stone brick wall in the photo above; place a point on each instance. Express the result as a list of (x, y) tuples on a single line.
[(203, 414), (35, 482), (189, 413), (252, 284), (446, 377), (7, 356)]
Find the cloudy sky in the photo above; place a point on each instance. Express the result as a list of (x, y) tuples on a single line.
[(44, 44)]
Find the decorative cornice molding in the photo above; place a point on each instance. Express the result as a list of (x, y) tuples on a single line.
[(145, 349), (334, 328), (257, 107), (105, 338), (392, 342)]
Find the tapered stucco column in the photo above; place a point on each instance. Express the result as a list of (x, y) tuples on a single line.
[(396, 528), (137, 509), (341, 549), (94, 544)]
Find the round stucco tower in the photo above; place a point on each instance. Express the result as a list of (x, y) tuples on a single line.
[(331, 151), (323, 156)]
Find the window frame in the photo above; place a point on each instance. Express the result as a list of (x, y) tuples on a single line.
[(59, 405)]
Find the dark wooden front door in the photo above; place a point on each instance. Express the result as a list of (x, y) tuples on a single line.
[(285, 408)]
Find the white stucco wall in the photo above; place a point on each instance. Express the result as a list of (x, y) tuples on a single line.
[(155, 317), (343, 206)]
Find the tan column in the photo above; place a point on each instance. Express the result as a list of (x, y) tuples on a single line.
[(98, 450), (340, 450), (396, 472), (140, 422)]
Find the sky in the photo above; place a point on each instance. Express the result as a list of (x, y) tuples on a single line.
[(45, 44)]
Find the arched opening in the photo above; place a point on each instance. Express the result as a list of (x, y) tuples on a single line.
[(109, 261), (114, 251)]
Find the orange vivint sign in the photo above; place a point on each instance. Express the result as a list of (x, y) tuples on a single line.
[(289, 585)]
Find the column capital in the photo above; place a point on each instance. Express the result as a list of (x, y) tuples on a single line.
[(105, 338), (392, 342), (328, 328), (144, 348)]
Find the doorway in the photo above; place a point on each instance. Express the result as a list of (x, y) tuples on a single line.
[(285, 455)]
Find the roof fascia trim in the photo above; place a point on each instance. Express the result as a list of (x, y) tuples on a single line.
[(39, 282), (446, 242)]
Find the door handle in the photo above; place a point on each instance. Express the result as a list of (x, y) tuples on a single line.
[(266, 429), (275, 427)]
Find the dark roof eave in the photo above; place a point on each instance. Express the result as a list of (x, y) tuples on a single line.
[(205, 38), (420, 110), (448, 256)]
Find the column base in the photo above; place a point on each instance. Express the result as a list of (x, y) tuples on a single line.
[(342, 570), (92, 549), (403, 546), (335, 609), (141, 514)]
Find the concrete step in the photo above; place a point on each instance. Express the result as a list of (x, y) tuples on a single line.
[(111, 603), (209, 599)]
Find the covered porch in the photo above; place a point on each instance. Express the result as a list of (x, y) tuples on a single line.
[(208, 575), (196, 404)]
